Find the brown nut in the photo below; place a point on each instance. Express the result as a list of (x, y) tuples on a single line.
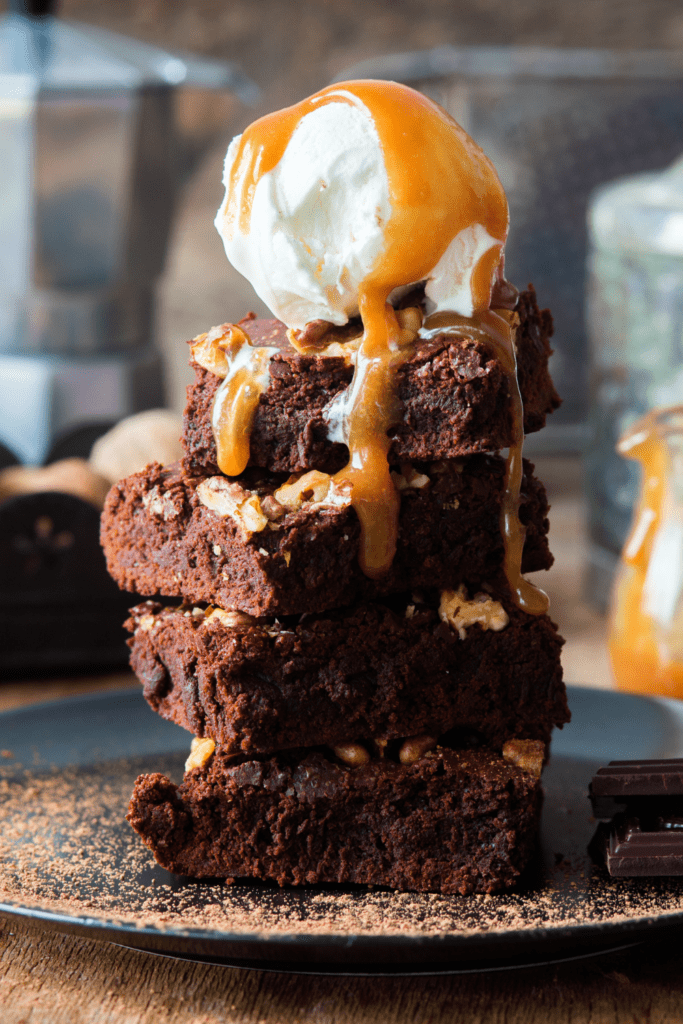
[(201, 752), (414, 747), (228, 619), (68, 476), (150, 436), (352, 754), (528, 755)]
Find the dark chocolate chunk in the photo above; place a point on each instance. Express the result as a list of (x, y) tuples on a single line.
[(614, 787), (633, 847), (644, 800)]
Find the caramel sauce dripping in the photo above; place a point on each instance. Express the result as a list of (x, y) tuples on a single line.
[(640, 661), (245, 370), (440, 184), (496, 328)]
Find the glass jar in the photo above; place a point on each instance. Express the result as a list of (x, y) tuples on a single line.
[(635, 304), (646, 620)]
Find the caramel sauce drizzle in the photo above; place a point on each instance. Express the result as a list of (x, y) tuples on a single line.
[(496, 328), (440, 184), (245, 371)]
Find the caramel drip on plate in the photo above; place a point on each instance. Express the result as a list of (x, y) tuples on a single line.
[(245, 371), (440, 184), (496, 329)]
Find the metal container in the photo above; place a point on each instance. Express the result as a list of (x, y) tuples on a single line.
[(91, 160)]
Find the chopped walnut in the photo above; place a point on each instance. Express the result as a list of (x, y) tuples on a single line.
[(201, 752), (287, 555), (209, 350), (352, 754), (272, 508), (311, 488), (323, 338), (229, 619), (447, 466), (410, 322), (525, 754), (408, 477), (228, 498), (161, 504), (146, 622), (415, 747), (459, 612)]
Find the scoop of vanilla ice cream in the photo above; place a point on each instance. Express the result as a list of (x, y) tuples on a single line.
[(317, 224)]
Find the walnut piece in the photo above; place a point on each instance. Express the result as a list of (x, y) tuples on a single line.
[(160, 503), (201, 752), (459, 612), (525, 754), (150, 436), (68, 476), (210, 349), (352, 754), (409, 477), (227, 498), (228, 619), (311, 488), (414, 747)]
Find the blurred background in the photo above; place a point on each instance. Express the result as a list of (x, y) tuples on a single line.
[(564, 97)]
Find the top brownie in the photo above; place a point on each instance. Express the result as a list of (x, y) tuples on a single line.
[(453, 392)]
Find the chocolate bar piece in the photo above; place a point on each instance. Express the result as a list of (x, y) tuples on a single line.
[(614, 787), (633, 847), (644, 800)]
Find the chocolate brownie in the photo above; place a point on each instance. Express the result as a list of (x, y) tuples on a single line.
[(160, 538), (369, 672), (453, 822), (453, 393)]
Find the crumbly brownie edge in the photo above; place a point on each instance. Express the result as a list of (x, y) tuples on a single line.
[(364, 673), (453, 822), (159, 538)]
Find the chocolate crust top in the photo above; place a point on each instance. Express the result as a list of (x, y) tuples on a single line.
[(453, 393)]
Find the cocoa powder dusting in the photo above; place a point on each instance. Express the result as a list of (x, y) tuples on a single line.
[(66, 849)]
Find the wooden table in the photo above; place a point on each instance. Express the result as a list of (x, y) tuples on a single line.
[(47, 978)]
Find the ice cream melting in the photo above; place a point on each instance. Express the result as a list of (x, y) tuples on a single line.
[(333, 205)]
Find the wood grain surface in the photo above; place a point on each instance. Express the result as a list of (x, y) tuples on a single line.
[(48, 978)]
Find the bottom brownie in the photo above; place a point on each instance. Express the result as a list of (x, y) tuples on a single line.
[(454, 821)]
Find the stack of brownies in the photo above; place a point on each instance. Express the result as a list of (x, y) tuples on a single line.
[(347, 729)]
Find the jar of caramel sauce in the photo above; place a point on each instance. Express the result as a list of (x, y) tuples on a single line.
[(646, 619)]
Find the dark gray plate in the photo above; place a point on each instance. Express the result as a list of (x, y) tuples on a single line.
[(69, 860)]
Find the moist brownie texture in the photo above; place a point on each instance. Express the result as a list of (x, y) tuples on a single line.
[(160, 538), (370, 672), (452, 822), (452, 391)]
